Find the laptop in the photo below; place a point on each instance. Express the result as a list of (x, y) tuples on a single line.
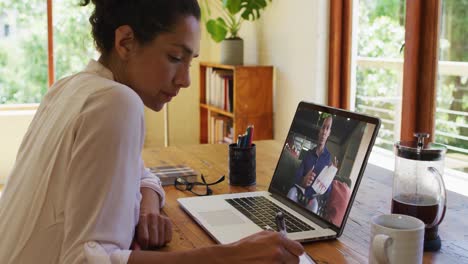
[(314, 183)]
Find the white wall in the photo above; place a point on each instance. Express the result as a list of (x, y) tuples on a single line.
[(293, 37), (13, 126)]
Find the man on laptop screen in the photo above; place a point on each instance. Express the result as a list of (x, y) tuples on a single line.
[(317, 161), (315, 145)]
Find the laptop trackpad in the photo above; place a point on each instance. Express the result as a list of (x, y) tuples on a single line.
[(221, 217)]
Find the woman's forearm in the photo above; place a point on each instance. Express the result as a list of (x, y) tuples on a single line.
[(265, 247), (149, 200), (207, 255)]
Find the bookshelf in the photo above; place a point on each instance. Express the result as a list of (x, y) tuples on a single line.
[(233, 97)]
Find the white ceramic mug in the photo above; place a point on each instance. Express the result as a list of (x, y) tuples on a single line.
[(395, 239)]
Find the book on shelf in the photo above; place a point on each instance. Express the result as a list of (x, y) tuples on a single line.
[(219, 86), (220, 129), (228, 93), (228, 140), (208, 84), (169, 173)]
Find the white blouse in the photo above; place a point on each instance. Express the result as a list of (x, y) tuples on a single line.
[(73, 195)]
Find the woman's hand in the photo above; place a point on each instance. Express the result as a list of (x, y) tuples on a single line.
[(264, 247), (153, 230)]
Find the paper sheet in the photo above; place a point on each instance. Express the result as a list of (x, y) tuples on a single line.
[(324, 179), (305, 259)]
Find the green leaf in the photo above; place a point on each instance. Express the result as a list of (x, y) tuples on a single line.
[(218, 29), (233, 6), (251, 8)]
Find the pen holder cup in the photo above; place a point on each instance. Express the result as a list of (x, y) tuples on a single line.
[(242, 168)]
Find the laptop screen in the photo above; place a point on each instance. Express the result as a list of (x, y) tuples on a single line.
[(322, 160)]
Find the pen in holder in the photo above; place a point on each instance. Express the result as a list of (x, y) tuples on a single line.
[(242, 167)]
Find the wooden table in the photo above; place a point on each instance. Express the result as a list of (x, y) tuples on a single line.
[(373, 198)]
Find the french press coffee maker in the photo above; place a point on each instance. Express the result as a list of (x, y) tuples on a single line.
[(418, 187)]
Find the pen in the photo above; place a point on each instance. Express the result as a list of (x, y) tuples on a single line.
[(280, 224), (247, 135), (251, 135)]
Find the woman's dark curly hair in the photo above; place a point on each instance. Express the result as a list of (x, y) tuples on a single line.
[(147, 18)]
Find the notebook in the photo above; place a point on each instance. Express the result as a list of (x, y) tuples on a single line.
[(314, 184), (169, 173)]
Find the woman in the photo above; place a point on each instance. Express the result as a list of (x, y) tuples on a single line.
[(79, 192)]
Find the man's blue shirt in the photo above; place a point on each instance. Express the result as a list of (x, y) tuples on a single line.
[(312, 160)]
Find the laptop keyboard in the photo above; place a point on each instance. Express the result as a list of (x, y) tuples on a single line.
[(263, 211)]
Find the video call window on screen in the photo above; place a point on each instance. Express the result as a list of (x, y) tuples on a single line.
[(320, 162)]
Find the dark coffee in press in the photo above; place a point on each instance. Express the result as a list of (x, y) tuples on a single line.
[(420, 206), (423, 207)]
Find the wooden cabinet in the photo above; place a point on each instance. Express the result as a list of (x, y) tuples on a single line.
[(238, 96)]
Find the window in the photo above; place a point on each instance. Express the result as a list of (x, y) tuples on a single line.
[(24, 49), (405, 85), (379, 65), (452, 84)]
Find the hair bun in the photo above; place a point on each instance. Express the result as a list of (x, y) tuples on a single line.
[(147, 18), (95, 2)]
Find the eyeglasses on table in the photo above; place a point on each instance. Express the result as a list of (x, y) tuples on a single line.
[(197, 188)]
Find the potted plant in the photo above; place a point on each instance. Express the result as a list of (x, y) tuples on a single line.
[(225, 28)]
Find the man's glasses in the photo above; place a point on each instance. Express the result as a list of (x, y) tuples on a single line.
[(198, 188)]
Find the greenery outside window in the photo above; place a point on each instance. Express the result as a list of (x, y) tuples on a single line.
[(452, 85), (379, 72), (24, 48), (379, 65)]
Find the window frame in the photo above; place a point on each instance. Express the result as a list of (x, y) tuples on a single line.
[(420, 63), (420, 68), (50, 44), (339, 53)]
